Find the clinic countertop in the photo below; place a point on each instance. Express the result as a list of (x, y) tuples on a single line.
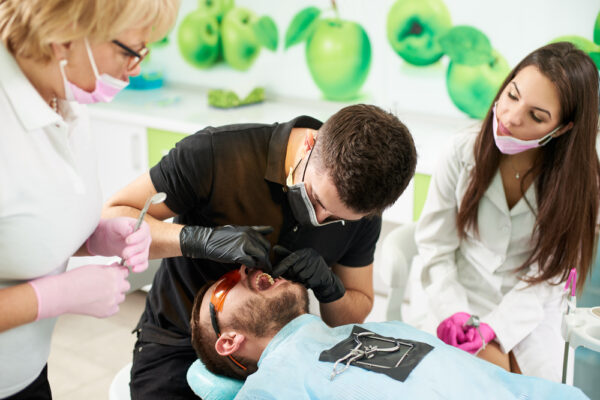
[(186, 110)]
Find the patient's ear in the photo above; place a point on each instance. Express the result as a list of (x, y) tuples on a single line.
[(229, 342)]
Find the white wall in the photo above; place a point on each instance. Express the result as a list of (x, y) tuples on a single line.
[(515, 27)]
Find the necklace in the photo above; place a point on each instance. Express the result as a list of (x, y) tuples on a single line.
[(517, 173)]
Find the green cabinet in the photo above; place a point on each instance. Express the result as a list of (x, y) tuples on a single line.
[(159, 144), (421, 186)]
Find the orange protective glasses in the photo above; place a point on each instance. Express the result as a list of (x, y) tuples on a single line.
[(228, 281)]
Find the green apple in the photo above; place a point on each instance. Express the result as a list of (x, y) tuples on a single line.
[(597, 30), (240, 44), (580, 42), (472, 88), (338, 54), (216, 8), (414, 28), (198, 39)]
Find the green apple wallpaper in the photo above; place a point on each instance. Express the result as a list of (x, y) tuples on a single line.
[(338, 51), (219, 29), (441, 57), (414, 29), (475, 71)]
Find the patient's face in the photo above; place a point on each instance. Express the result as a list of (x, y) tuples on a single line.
[(257, 306)]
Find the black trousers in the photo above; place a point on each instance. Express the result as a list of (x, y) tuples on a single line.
[(159, 369), (37, 390)]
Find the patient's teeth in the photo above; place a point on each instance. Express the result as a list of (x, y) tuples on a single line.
[(264, 281)]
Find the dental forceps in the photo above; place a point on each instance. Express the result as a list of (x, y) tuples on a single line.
[(356, 353)]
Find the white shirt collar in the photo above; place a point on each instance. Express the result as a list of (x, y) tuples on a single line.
[(31, 109)]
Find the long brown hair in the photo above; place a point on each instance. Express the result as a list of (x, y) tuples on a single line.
[(567, 169)]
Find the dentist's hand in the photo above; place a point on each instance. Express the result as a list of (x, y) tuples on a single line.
[(455, 331), (228, 244), (306, 266), (115, 237), (95, 290)]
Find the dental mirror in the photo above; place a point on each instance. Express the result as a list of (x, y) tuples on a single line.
[(156, 199)]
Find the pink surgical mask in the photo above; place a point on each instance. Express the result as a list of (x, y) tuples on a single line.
[(511, 145), (107, 87)]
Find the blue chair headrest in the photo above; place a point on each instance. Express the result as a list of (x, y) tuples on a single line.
[(209, 386)]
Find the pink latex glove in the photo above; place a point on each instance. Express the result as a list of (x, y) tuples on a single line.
[(454, 331), (95, 290), (115, 237)]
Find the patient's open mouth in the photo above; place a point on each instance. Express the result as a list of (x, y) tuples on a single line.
[(264, 281), (261, 281)]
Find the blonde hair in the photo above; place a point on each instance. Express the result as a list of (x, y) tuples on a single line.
[(28, 27)]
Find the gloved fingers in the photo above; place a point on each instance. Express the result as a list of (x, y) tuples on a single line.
[(333, 292), (460, 318), (258, 240), (470, 335), (264, 265), (142, 235), (311, 274), (124, 284), (133, 250), (461, 336), (122, 226), (263, 229), (246, 260), (449, 335), (279, 269), (111, 311), (141, 267), (443, 332), (487, 332), (281, 251), (255, 257), (138, 262), (470, 347), (285, 266)]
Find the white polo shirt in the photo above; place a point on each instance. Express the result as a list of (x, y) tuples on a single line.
[(50, 203)]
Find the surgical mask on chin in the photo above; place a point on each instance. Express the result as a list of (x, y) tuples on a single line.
[(511, 145), (300, 204), (107, 87)]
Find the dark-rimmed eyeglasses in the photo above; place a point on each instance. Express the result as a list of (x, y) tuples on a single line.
[(135, 57), (227, 282)]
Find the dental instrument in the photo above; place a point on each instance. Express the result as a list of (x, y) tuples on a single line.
[(155, 199)]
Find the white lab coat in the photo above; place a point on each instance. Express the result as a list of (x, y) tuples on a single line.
[(477, 275), (50, 203)]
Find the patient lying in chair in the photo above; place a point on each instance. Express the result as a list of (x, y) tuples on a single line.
[(249, 327)]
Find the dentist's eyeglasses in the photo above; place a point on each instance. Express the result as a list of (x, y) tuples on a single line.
[(227, 282), (135, 57)]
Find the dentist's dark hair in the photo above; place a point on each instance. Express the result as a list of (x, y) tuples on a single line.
[(370, 155), (567, 170)]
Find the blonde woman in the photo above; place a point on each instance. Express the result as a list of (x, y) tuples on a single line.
[(54, 56)]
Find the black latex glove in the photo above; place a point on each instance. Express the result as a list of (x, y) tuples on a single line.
[(228, 244), (307, 267)]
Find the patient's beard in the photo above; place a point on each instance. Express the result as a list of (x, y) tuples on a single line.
[(262, 316)]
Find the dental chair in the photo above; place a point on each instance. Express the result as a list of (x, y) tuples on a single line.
[(204, 383), (398, 250), (119, 387)]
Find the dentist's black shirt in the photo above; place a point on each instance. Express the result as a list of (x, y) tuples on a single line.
[(235, 175)]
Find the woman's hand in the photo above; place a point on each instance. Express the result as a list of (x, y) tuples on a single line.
[(115, 237)]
